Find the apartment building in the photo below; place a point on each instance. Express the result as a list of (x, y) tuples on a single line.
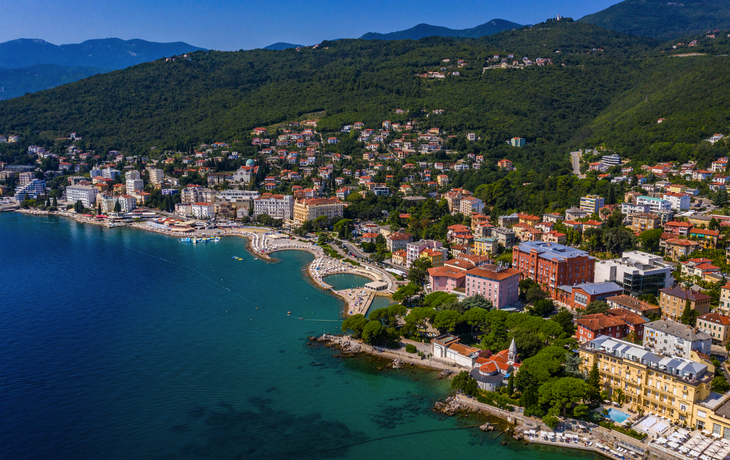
[(414, 249), (591, 203), (655, 204), (644, 221), (398, 241), (553, 265), (670, 338), (673, 300), (669, 387)]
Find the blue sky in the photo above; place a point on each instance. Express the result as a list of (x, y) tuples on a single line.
[(246, 24)]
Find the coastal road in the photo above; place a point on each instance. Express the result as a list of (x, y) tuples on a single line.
[(575, 160)]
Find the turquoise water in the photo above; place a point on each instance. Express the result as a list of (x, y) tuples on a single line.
[(342, 281), (121, 344), (617, 416)]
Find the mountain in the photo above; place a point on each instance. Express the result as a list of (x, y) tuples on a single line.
[(16, 82), (663, 19), (604, 87), (425, 30), (279, 46), (107, 53)]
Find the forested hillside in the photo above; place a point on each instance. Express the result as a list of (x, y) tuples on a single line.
[(663, 19), (601, 87)]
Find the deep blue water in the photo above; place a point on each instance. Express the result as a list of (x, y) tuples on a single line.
[(120, 344)]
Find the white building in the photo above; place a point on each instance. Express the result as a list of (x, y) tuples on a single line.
[(276, 206), (109, 173), (636, 272), (127, 202), (134, 185), (202, 210), (157, 176), (655, 204), (678, 201), (675, 339), (84, 193), (611, 160), (629, 209), (132, 174), (32, 190), (238, 195), (414, 250), (471, 204)]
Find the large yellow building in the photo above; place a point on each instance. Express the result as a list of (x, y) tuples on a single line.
[(667, 386), (315, 207)]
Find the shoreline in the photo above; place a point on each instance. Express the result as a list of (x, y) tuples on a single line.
[(351, 348), (337, 266)]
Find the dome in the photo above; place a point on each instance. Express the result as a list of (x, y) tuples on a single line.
[(250, 162)]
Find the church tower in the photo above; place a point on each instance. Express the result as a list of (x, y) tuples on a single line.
[(512, 353)]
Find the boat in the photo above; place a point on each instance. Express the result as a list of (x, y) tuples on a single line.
[(185, 240), (216, 239)]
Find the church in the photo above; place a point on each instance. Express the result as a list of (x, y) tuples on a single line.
[(494, 372)]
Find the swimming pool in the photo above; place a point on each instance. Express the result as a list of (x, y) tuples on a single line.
[(617, 416)]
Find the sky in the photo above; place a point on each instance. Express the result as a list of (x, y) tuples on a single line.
[(245, 24)]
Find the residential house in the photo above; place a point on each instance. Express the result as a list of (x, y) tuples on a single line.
[(644, 221), (698, 267), (677, 248), (673, 300), (445, 278), (398, 241), (633, 305), (716, 325)]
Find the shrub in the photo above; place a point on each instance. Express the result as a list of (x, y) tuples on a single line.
[(410, 348)]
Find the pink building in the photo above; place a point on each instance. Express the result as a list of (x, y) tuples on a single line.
[(446, 278), (498, 285)]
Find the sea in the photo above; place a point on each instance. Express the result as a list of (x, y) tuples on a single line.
[(125, 344)]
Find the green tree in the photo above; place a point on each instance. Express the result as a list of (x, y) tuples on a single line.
[(476, 317), (447, 320), (79, 207), (355, 324), (542, 308), (650, 239), (343, 227), (373, 332), (565, 319), (535, 293), (597, 306), (464, 382), (721, 198), (511, 384), (618, 239), (117, 207), (563, 393), (418, 271), (689, 316)]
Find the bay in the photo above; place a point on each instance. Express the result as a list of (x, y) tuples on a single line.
[(117, 343)]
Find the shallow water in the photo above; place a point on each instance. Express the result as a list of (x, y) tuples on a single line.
[(118, 344)]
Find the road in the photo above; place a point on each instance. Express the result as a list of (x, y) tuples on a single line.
[(575, 160)]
